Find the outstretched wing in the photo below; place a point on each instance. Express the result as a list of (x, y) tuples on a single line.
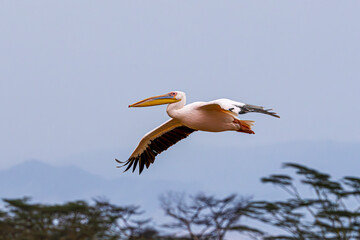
[(155, 142), (235, 108)]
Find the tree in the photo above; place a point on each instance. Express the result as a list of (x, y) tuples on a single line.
[(332, 212), (206, 217), (72, 220), (125, 221)]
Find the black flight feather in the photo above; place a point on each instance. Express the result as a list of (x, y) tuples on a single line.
[(155, 147)]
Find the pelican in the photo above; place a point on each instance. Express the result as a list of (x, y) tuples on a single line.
[(214, 116)]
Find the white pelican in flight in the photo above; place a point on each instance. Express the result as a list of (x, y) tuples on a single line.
[(214, 116)]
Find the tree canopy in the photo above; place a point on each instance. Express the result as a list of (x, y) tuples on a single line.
[(330, 210)]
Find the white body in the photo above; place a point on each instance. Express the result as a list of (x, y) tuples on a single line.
[(201, 116)]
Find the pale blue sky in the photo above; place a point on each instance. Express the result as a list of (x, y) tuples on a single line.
[(69, 69)]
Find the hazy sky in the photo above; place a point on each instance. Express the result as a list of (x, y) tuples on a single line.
[(69, 69)]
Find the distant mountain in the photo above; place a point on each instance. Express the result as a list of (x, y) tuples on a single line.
[(221, 171), (46, 183), (224, 170)]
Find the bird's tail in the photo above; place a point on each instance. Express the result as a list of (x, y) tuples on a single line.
[(245, 126), (252, 108)]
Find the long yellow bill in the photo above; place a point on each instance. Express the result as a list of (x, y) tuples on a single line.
[(157, 100)]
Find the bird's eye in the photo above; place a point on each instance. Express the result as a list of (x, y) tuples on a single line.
[(172, 94)]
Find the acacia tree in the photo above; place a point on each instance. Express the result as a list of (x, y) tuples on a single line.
[(332, 212), (206, 217), (125, 221), (72, 220)]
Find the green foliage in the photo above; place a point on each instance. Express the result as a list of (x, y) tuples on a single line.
[(72, 220), (332, 212)]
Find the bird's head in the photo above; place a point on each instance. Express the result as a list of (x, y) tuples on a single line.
[(171, 97)]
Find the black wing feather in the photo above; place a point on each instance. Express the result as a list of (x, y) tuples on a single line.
[(155, 147), (252, 108)]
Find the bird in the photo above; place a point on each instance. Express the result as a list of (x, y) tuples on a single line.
[(213, 116)]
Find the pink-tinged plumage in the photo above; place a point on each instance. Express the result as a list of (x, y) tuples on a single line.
[(214, 116)]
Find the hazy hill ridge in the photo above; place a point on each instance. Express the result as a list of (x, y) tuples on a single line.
[(49, 183)]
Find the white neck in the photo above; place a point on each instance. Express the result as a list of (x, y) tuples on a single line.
[(172, 108)]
